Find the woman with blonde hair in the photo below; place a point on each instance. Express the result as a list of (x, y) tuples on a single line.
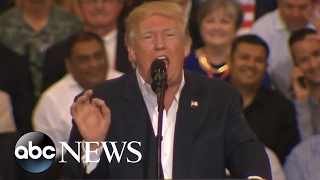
[(219, 21)]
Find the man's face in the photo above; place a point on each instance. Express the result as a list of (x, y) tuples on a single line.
[(306, 54), (248, 64), (88, 63), (159, 36), (100, 13), (294, 12)]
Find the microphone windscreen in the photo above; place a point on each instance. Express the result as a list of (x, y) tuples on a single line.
[(158, 65)]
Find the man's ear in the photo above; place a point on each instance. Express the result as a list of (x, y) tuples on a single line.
[(228, 60), (187, 49), (67, 64), (131, 54)]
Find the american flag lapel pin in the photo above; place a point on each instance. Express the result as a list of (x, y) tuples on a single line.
[(194, 104)]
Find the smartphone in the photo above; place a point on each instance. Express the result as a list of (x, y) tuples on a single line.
[(300, 79), (301, 82)]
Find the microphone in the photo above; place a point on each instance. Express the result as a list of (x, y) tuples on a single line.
[(159, 77), (159, 86)]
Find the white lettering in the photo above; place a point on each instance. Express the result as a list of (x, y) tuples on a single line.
[(64, 145), (134, 151), (34, 148), (47, 156), (88, 151), (21, 149), (114, 150)]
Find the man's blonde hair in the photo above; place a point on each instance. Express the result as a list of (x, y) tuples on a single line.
[(144, 11)]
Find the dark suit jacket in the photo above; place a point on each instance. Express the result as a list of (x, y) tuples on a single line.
[(54, 67), (15, 79), (207, 138)]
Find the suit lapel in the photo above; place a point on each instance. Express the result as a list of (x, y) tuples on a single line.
[(139, 123), (189, 117)]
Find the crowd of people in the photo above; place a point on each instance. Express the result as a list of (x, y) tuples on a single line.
[(51, 51)]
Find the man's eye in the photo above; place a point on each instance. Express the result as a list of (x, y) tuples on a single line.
[(146, 37)]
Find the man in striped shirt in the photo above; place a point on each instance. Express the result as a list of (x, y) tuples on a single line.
[(304, 160)]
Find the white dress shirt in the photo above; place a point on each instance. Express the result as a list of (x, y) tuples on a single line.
[(7, 123), (274, 31), (169, 121), (110, 43), (52, 113)]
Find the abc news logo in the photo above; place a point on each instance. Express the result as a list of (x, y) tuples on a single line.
[(35, 152)]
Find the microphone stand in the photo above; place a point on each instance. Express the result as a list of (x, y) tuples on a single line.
[(160, 99)]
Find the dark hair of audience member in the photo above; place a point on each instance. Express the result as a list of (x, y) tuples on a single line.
[(81, 37), (251, 39), (300, 34)]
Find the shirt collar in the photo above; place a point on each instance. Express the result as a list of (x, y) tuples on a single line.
[(280, 25), (260, 96), (146, 88), (313, 100), (111, 36), (74, 84)]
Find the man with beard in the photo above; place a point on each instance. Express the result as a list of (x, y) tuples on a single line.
[(270, 115), (100, 17)]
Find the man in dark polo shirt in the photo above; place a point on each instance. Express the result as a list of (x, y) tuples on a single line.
[(270, 115)]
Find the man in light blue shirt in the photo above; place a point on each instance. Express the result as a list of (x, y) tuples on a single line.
[(306, 94), (304, 160), (275, 28)]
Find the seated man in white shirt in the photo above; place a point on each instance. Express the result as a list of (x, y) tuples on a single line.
[(7, 123), (87, 66)]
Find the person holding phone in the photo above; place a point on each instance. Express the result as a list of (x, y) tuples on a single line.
[(305, 49)]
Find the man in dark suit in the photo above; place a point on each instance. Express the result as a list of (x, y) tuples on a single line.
[(101, 19), (203, 129), (15, 79)]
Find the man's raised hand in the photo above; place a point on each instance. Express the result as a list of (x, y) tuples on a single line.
[(92, 118)]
